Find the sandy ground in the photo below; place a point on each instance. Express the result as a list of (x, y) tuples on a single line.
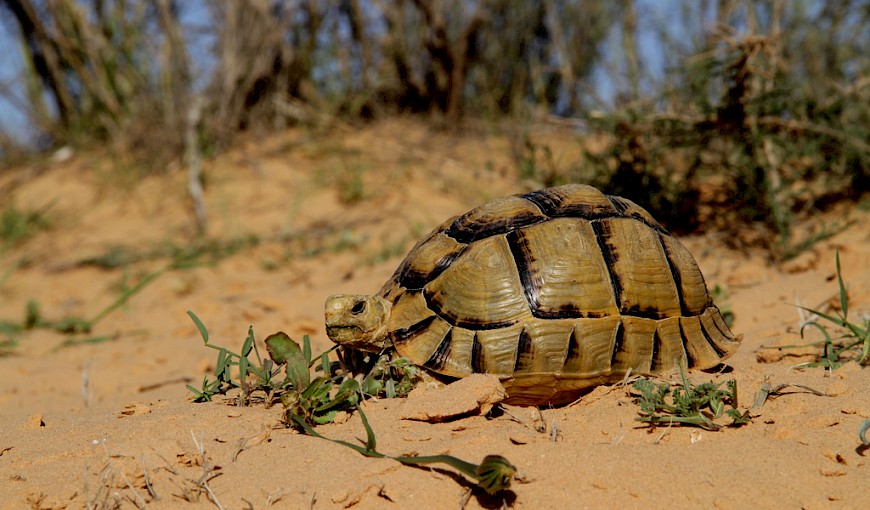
[(112, 425)]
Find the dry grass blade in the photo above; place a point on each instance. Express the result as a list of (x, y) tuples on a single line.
[(207, 473)]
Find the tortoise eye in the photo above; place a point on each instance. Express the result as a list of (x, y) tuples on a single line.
[(358, 307)]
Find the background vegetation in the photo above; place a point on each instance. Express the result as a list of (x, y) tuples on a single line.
[(721, 112)]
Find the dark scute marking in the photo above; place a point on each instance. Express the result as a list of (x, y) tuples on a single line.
[(654, 361), (462, 322), (610, 253), (690, 360), (622, 205), (646, 313), (415, 280), (675, 274), (566, 311), (553, 205), (523, 258), (546, 200), (619, 338), (573, 346), (524, 352), (478, 363), (401, 336), (438, 360), (619, 203), (464, 231), (710, 341)]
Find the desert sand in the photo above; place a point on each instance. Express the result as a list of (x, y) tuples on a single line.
[(110, 424)]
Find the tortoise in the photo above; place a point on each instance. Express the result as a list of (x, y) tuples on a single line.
[(554, 291)]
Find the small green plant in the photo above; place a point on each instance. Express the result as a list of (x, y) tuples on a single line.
[(73, 326), (391, 377), (853, 343), (686, 404), (493, 474), (316, 400)]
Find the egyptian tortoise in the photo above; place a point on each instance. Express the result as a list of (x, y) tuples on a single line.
[(554, 291)]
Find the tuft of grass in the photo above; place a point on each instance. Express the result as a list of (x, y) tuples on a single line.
[(18, 225), (853, 340), (73, 326), (181, 256), (687, 404)]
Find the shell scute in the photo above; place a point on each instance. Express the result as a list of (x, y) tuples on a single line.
[(550, 279), (482, 289), (574, 200), (493, 218)]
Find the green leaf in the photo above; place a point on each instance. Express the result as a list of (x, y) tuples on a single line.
[(371, 442), (243, 369), (320, 419), (844, 299), (349, 386), (836, 320), (249, 342), (318, 390), (203, 332), (221, 365), (371, 386), (282, 349), (324, 363), (306, 349)]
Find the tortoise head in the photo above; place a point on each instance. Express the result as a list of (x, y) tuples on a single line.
[(358, 322)]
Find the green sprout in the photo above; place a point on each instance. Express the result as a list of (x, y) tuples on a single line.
[(493, 474), (312, 399), (854, 337), (685, 404)]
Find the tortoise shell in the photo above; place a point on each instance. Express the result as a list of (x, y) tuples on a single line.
[(554, 291)]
